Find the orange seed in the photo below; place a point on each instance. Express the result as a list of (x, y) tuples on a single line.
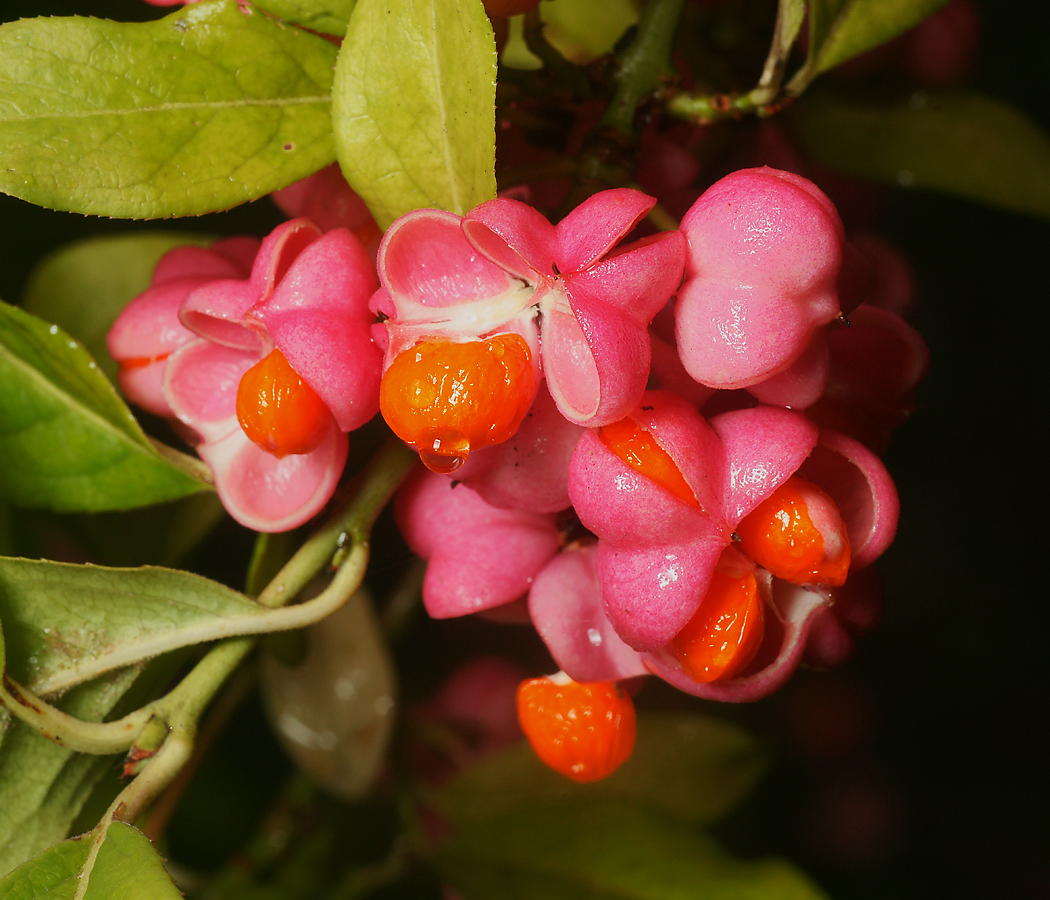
[(637, 448), (278, 410), (582, 731), (447, 398), (798, 534), (726, 632)]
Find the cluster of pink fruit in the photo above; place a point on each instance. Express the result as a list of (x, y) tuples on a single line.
[(663, 453)]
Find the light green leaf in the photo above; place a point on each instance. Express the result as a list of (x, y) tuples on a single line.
[(842, 29), (609, 852), (328, 16), (209, 107), (692, 767), (791, 14), (44, 786), (126, 866), (66, 623), (413, 106), (67, 441), (83, 286), (51, 876), (955, 142), (583, 30)]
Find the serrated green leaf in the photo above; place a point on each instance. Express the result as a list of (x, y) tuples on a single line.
[(209, 107), (66, 623), (328, 16), (83, 286), (413, 106), (67, 441), (954, 142), (842, 29), (692, 767), (609, 852), (126, 866)]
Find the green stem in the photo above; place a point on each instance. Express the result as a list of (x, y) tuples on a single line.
[(235, 692), (703, 109), (346, 534), (645, 65), (662, 219), (100, 738), (790, 14), (378, 483), (765, 98)]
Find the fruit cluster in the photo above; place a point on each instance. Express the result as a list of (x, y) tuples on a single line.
[(663, 452)]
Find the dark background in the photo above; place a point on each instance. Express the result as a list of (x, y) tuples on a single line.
[(919, 768)]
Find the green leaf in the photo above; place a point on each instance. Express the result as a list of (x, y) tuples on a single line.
[(43, 786), (67, 441), (83, 286), (328, 16), (209, 107), (66, 624), (51, 876), (955, 142), (413, 106), (611, 852), (126, 866), (791, 15), (692, 767), (842, 29), (583, 30)]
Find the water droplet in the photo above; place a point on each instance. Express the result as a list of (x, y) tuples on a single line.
[(442, 465)]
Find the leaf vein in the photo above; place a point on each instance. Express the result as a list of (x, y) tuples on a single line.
[(275, 102)]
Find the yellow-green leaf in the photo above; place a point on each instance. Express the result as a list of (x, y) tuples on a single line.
[(413, 106), (209, 107)]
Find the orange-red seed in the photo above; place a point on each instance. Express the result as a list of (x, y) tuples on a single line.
[(583, 731), (637, 448), (278, 410), (726, 632), (781, 536), (448, 398)]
